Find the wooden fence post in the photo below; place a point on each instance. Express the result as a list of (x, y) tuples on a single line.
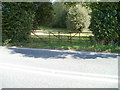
[(79, 35), (49, 36)]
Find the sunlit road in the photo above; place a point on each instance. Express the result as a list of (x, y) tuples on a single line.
[(46, 68)]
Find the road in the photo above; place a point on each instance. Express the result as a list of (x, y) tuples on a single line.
[(47, 68)]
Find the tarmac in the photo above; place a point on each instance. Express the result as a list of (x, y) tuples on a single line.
[(48, 68)]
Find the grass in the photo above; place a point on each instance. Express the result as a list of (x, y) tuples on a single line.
[(56, 29), (84, 44), (52, 29)]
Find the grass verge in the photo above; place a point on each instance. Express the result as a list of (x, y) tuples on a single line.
[(83, 45)]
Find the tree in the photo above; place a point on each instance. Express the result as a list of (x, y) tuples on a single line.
[(59, 15), (43, 13)]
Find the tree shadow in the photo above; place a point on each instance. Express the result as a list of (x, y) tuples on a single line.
[(59, 54)]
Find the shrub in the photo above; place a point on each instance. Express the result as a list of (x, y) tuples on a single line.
[(77, 18)]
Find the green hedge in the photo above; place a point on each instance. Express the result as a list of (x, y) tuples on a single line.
[(104, 22), (17, 20)]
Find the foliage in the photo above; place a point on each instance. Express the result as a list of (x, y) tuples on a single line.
[(59, 15), (43, 11), (78, 18), (16, 21), (104, 22), (19, 18), (70, 4)]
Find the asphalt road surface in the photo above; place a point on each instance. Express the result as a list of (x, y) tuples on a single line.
[(47, 68)]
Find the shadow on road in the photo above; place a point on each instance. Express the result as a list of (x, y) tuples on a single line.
[(46, 53)]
